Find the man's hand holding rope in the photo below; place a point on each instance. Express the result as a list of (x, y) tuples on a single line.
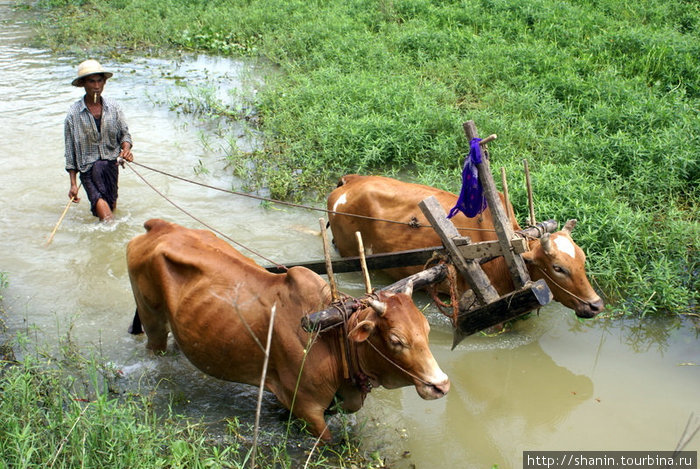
[(125, 154)]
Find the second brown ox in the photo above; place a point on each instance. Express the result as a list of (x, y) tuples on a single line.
[(555, 258), (216, 302)]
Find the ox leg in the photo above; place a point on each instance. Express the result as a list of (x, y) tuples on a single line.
[(135, 327), (316, 421), (308, 407), (157, 334), (155, 325)]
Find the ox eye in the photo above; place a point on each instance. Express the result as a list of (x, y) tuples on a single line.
[(560, 270), (396, 342)]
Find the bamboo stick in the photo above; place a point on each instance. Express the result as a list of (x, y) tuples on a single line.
[(530, 202), (60, 220), (504, 183), (256, 428), (329, 264), (363, 262)]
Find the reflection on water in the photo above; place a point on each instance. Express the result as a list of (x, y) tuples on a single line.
[(553, 382), (652, 334)]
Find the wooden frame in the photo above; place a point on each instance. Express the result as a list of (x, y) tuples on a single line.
[(489, 309)]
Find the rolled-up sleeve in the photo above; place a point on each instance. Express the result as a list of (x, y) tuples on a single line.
[(70, 147)]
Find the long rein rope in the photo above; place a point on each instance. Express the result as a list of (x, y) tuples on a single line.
[(223, 235), (289, 204)]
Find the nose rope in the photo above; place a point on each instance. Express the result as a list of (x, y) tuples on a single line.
[(562, 288)]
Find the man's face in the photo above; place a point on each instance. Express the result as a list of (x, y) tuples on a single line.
[(94, 84)]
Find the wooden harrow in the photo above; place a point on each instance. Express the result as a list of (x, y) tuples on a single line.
[(489, 309)]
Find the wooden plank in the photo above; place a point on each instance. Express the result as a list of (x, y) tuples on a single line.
[(417, 256), (487, 248), (333, 315), (468, 268), (532, 296), (374, 262), (501, 223)]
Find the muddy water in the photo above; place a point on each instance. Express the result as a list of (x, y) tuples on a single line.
[(551, 383)]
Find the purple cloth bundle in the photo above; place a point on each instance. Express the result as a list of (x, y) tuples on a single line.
[(471, 200)]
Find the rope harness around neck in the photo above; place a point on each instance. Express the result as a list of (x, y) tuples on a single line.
[(356, 375)]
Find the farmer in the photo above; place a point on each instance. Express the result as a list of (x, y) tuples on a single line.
[(95, 135)]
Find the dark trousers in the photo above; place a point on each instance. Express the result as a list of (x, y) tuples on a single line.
[(101, 182)]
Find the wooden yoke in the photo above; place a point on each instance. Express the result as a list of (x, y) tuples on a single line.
[(476, 320)]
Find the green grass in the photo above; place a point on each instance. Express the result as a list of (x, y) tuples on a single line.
[(65, 410), (602, 97)]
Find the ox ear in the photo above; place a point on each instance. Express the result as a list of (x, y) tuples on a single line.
[(546, 244), (362, 331), (569, 225)]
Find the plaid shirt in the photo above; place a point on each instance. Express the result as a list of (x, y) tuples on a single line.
[(85, 144)]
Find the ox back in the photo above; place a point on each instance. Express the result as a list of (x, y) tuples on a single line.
[(389, 199)]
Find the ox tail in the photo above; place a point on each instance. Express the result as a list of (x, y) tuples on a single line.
[(135, 327)]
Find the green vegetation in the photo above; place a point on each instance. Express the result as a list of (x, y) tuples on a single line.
[(65, 410), (3, 282), (602, 97)]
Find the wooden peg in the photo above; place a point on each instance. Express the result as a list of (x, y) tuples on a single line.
[(363, 262), (329, 264)]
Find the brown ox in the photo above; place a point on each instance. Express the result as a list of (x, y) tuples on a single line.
[(213, 300), (555, 257)]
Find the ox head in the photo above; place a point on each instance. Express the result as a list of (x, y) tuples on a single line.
[(391, 336), (560, 262)]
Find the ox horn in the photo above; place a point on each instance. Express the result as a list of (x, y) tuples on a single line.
[(546, 244), (378, 306), (569, 225), (408, 289)]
